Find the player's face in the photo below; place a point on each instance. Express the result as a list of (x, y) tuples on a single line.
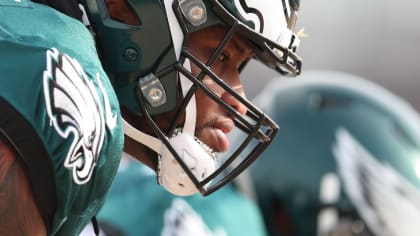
[(213, 122)]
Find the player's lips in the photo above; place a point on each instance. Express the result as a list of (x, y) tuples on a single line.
[(214, 134)]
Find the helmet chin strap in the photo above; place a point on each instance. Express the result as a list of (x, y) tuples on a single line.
[(170, 173)]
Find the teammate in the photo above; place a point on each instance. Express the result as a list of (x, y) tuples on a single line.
[(346, 161), (78, 77), (226, 212)]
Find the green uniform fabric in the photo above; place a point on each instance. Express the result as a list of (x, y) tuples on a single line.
[(50, 73), (136, 205)]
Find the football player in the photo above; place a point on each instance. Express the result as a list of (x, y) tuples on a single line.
[(346, 162), (83, 80)]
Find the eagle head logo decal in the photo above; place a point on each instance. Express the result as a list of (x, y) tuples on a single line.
[(75, 107)]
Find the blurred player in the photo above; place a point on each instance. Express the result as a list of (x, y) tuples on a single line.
[(346, 161)]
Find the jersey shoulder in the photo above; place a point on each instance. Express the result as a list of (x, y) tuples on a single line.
[(51, 74)]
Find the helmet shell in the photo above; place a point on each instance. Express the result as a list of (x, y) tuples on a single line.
[(315, 114)]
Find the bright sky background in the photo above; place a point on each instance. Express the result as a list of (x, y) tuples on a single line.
[(375, 39)]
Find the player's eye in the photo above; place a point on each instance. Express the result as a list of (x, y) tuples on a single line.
[(224, 56)]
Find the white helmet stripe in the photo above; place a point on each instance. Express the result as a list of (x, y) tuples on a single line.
[(269, 19), (176, 32), (252, 16)]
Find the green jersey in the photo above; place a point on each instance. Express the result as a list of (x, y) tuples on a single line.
[(137, 206), (51, 76)]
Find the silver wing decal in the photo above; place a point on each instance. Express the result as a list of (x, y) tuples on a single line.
[(387, 201), (75, 109)]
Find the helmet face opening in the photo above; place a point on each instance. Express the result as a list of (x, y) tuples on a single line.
[(254, 128), (147, 61)]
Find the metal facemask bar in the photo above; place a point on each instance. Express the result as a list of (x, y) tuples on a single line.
[(255, 128)]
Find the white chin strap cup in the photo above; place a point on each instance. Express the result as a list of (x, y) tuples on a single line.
[(200, 163), (170, 173)]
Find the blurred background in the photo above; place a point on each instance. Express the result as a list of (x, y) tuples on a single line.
[(375, 39)]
